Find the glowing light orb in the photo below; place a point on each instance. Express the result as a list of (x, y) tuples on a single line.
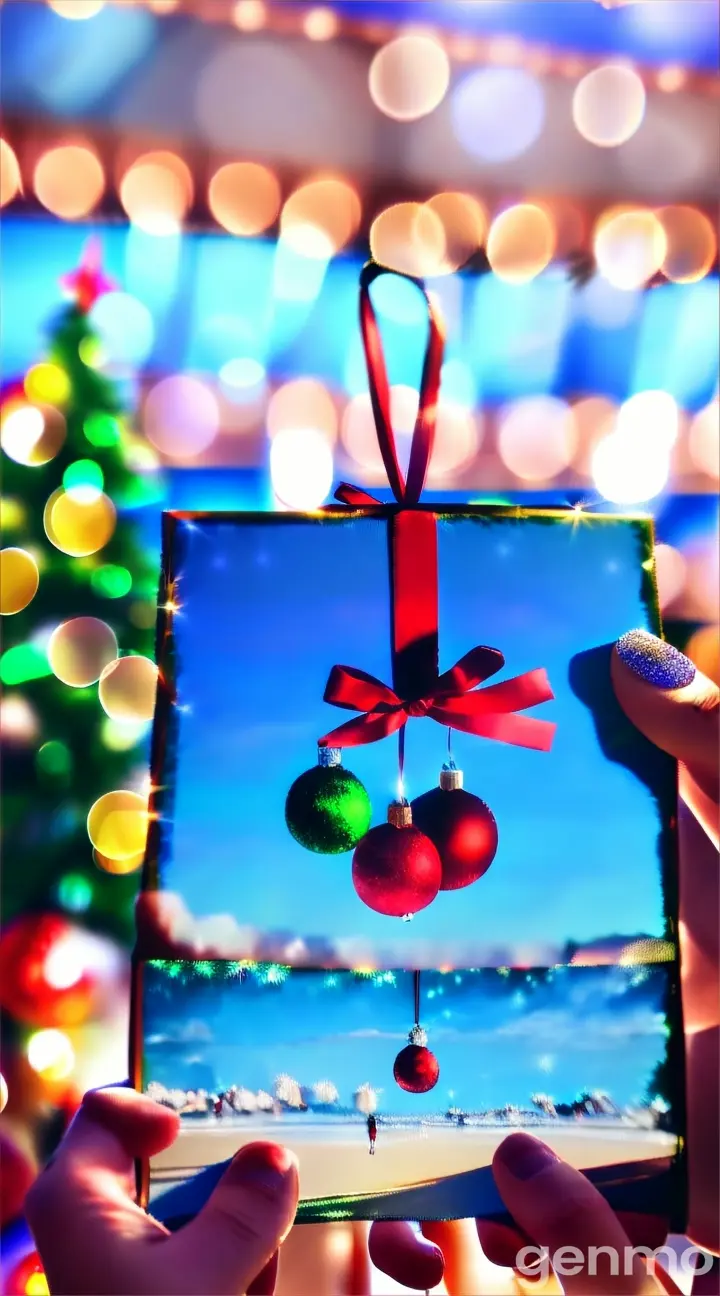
[(320, 218), (102, 429), (47, 384), (609, 105), (465, 223), (85, 478), (301, 467), (117, 825), (249, 15), (651, 415), (51, 1054), (409, 77), (78, 525), (128, 687), (457, 440), (31, 434), (122, 735), (19, 580), (76, 10), (19, 723), (595, 417), (521, 243), (537, 438), (409, 237), (498, 113), (704, 441), (358, 433), (320, 24), (80, 649), (125, 329), (75, 892), (630, 247), (10, 179), (69, 181), (156, 192), (303, 403), (181, 417), (244, 197), (3, 1093), (118, 867), (627, 470), (691, 244)]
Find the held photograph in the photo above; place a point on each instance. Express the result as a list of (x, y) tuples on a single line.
[(321, 799), (394, 1088)]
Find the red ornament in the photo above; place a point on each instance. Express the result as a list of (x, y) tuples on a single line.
[(27, 1276), (38, 984), (462, 828), (89, 281), (416, 1068), (396, 870)]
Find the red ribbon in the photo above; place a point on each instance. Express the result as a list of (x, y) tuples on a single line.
[(452, 699)]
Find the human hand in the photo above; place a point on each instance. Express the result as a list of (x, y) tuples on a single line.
[(676, 707), (95, 1241)]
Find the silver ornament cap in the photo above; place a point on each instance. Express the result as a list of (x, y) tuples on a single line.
[(451, 778), (418, 1037), (328, 757)]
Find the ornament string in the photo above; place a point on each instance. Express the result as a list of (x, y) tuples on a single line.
[(401, 763), (416, 976), (452, 699)]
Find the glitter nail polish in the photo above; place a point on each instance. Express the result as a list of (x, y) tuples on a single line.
[(655, 661)]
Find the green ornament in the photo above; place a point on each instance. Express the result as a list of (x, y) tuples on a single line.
[(327, 808)]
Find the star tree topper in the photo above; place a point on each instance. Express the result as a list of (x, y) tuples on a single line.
[(89, 281)]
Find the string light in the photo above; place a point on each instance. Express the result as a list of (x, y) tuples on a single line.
[(630, 247), (50, 1054), (521, 243), (69, 181), (409, 77), (244, 197), (156, 192), (10, 182), (609, 105)]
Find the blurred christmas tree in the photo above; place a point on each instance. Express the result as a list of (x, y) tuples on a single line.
[(79, 595)]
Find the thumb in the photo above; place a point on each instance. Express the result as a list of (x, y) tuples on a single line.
[(674, 705), (242, 1225)]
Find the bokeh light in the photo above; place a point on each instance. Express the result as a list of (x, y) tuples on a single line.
[(691, 243), (76, 10), (409, 237), (629, 470), (320, 24), (10, 179), (69, 181), (80, 649), (704, 440), (78, 525), (31, 434), (320, 218), (102, 429), (249, 15), (609, 105), (181, 417), (630, 247), (595, 417), (457, 439), (47, 384), (303, 403), (122, 735), (19, 723), (358, 433), (301, 468), (118, 867), (704, 651), (117, 825), (19, 580), (537, 437), (111, 581), (650, 415), (84, 478), (521, 243), (75, 892), (125, 330), (54, 760), (409, 77), (127, 689), (3, 1093), (670, 573), (51, 1054), (244, 197), (465, 224), (498, 113), (157, 192)]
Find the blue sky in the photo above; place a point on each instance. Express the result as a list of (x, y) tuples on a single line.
[(268, 608), (498, 1038)]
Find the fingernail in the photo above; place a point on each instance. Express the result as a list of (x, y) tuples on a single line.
[(524, 1156), (265, 1167), (655, 661)]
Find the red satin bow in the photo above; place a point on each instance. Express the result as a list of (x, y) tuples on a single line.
[(487, 713), (452, 699)]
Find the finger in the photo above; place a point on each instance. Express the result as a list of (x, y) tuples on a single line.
[(500, 1242), (264, 1284), (465, 1265), (242, 1225), (672, 703), (405, 1256), (561, 1210), (87, 1189)]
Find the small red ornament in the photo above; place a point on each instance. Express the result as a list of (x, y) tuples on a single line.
[(396, 870), (416, 1068), (40, 982), (462, 828)]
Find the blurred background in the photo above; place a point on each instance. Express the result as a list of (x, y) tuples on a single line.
[(189, 189)]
